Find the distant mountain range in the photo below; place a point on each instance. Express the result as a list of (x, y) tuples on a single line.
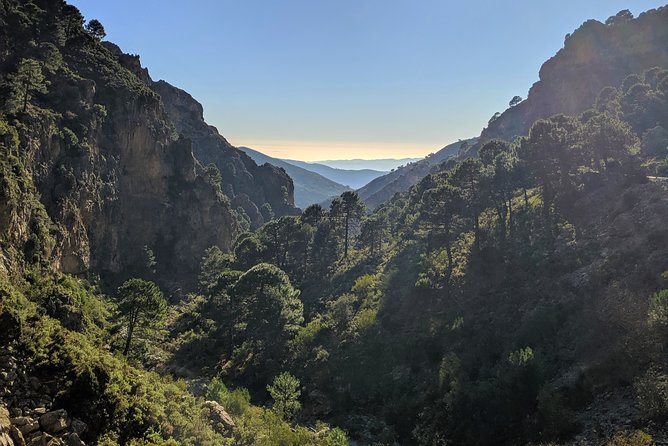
[(349, 177), (318, 182), (310, 187), (386, 164)]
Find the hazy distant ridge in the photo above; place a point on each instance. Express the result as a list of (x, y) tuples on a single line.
[(353, 178), (385, 164), (310, 187)]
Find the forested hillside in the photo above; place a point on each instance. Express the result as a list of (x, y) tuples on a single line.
[(97, 182), (401, 179), (514, 295)]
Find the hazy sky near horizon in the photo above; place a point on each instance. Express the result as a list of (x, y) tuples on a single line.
[(337, 79)]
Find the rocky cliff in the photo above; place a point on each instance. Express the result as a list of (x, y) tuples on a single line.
[(596, 55), (99, 174), (241, 175)]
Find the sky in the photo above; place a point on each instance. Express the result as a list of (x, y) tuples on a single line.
[(339, 79)]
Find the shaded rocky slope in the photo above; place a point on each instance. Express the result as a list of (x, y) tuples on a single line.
[(241, 176), (101, 171)]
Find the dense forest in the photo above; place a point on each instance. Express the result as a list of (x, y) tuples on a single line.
[(157, 287)]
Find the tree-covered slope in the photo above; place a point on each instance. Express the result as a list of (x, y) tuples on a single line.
[(95, 181), (401, 179), (517, 296)]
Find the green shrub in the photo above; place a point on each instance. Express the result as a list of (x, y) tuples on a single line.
[(658, 308), (652, 393), (637, 438)]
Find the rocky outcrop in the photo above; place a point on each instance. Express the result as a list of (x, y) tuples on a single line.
[(5, 428), (219, 416), (240, 174), (596, 55)]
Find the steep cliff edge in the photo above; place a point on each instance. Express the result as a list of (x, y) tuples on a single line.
[(95, 175)]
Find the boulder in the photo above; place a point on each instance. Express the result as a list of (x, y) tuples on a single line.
[(5, 427), (26, 425), (54, 421), (78, 426), (74, 440), (17, 436), (41, 439), (218, 414)]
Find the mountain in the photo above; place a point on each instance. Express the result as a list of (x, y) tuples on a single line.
[(594, 56), (350, 177), (99, 183), (517, 293), (400, 180), (359, 164), (248, 184), (310, 186), (110, 168)]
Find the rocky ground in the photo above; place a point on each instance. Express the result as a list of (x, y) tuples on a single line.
[(611, 413), (26, 414)]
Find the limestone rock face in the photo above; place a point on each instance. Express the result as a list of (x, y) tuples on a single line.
[(219, 415), (593, 57), (241, 175)]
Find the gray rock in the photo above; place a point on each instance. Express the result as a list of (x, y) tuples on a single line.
[(29, 427), (218, 414), (40, 440), (20, 421), (74, 440), (78, 426), (54, 421), (17, 436), (55, 441)]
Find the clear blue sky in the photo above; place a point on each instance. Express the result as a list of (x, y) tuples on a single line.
[(334, 79)]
